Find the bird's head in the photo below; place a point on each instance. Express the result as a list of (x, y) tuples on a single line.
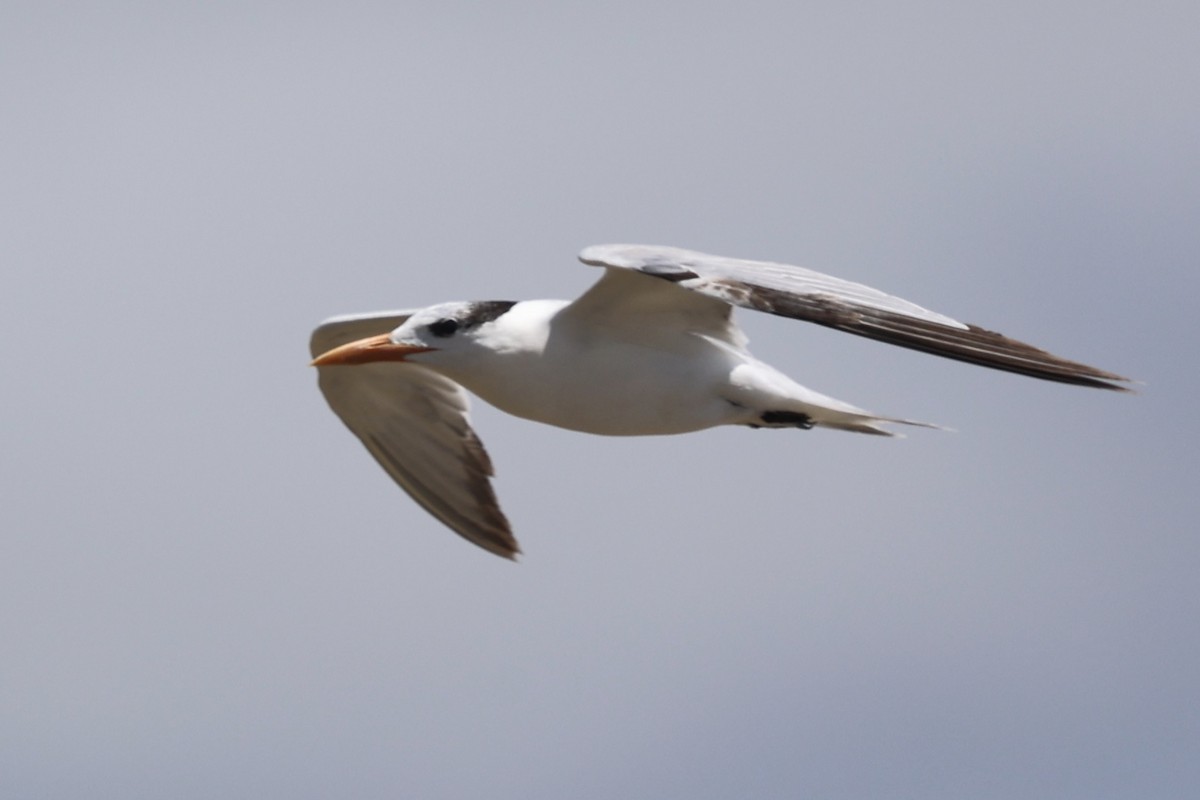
[(443, 333)]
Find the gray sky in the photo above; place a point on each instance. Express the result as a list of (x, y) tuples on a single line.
[(208, 589)]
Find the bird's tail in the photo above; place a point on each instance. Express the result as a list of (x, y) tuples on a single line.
[(756, 385), (865, 422)]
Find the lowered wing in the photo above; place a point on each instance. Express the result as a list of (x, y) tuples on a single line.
[(416, 425)]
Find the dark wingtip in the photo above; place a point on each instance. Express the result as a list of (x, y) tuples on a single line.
[(509, 549), (1116, 387), (1096, 379)]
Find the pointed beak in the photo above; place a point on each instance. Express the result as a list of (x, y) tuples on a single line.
[(366, 351)]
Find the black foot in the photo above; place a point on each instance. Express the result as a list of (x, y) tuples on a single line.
[(787, 418)]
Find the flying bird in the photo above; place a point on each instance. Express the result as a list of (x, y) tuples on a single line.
[(651, 348)]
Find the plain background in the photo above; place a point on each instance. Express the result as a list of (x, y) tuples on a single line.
[(208, 589)]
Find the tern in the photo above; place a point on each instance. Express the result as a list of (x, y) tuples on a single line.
[(650, 348)]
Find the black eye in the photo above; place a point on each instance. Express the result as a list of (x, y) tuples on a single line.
[(444, 327)]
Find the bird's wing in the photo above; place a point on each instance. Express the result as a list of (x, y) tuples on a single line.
[(626, 302), (415, 423), (804, 294)]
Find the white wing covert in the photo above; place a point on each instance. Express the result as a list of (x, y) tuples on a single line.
[(805, 294), (416, 425)]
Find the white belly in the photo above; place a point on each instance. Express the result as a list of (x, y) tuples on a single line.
[(615, 390)]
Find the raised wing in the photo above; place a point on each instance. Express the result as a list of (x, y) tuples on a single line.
[(415, 423), (804, 294)]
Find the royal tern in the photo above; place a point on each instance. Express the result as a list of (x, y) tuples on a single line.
[(649, 349)]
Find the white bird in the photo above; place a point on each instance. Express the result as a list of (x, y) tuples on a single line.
[(650, 349)]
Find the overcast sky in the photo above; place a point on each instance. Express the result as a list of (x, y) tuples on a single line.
[(209, 589)]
